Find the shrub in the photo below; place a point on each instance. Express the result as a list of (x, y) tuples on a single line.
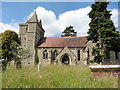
[(92, 61), (36, 60)]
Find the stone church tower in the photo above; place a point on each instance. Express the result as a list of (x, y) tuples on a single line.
[(31, 32)]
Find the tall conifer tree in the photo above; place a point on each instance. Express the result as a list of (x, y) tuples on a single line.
[(102, 30)]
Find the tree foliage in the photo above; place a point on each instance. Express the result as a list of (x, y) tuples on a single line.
[(0, 45), (12, 48), (9, 37), (36, 60), (19, 52), (102, 30), (69, 31)]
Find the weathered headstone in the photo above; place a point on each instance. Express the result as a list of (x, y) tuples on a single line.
[(112, 55), (119, 55)]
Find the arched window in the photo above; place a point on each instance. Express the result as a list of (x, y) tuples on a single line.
[(55, 53), (45, 54), (78, 55)]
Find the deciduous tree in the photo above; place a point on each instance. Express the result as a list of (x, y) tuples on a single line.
[(69, 31), (9, 37)]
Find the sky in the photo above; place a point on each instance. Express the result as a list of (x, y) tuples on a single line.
[(55, 16)]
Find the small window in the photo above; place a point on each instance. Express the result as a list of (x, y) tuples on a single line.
[(45, 54), (78, 55), (26, 29)]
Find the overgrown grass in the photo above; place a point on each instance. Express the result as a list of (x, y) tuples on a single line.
[(54, 76)]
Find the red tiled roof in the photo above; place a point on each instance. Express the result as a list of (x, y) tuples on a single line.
[(63, 41)]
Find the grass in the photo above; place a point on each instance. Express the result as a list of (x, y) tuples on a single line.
[(54, 76)]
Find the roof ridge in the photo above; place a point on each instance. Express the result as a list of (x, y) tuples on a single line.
[(63, 42)]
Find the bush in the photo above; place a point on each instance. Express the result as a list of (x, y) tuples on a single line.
[(92, 61), (36, 60)]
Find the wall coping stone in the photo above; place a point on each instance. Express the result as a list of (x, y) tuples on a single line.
[(104, 66)]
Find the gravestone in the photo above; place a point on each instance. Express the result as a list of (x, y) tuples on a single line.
[(119, 55), (112, 55)]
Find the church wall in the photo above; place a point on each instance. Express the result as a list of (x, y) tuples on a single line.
[(88, 51), (82, 55), (30, 40), (73, 50), (23, 39), (30, 43), (32, 27), (23, 29), (40, 55)]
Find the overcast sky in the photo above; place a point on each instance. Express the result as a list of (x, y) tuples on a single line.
[(55, 16)]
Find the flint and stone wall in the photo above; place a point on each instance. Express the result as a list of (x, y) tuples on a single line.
[(30, 34), (73, 58)]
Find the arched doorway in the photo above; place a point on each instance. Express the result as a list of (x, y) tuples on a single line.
[(65, 60)]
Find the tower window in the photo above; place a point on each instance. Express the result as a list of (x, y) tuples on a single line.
[(45, 54)]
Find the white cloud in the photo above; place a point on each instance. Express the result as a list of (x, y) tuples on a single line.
[(12, 26), (49, 21), (53, 26), (114, 17), (77, 18)]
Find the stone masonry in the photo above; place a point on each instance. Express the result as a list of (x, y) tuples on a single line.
[(75, 50)]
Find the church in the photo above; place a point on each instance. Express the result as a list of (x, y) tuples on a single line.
[(69, 50)]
